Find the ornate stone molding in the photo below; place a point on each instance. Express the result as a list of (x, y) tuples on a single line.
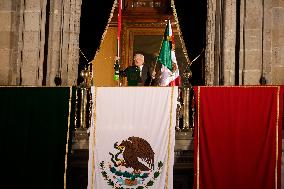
[(210, 40), (35, 25), (63, 42)]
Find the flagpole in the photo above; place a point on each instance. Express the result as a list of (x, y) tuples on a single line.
[(117, 59), (155, 65), (119, 27)]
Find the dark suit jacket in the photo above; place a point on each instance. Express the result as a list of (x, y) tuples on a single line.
[(132, 75), (146, 75)]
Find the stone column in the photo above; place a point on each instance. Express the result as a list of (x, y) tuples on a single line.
[(11, 12), (73, 48), (277, 41), (28, 43), (210, 45), (22, 57), (251, 47), (6, 13), (217, 32), (23, 40), (261, 42), (63, 47), (229, 38)]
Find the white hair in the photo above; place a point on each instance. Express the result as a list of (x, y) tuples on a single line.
[(139, 56)]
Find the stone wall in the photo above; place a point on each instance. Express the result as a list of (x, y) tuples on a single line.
[(7, 34), (39, 40), (63, 42), (276, 33), (261, 42)]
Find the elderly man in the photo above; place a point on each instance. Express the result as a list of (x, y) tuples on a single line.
[(139, 74)]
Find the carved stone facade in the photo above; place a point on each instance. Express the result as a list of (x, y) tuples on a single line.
[(39, 40), (261, 42)]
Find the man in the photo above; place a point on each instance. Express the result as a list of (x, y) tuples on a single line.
[(139, 74)]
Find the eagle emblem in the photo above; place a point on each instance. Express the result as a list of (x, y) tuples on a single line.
[(132, 165)]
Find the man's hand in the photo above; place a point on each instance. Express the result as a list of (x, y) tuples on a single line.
[(116, 70)]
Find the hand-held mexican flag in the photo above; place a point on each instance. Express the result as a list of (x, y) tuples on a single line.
[(116, 65), (165, 57), (169, 71)]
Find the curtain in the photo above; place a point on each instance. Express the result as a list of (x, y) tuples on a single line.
[(238, 137), (93, 22), (34, 124), (132, 137), (192, 17), (192, 21)]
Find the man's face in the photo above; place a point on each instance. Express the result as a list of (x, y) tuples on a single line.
[(138, 60)]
